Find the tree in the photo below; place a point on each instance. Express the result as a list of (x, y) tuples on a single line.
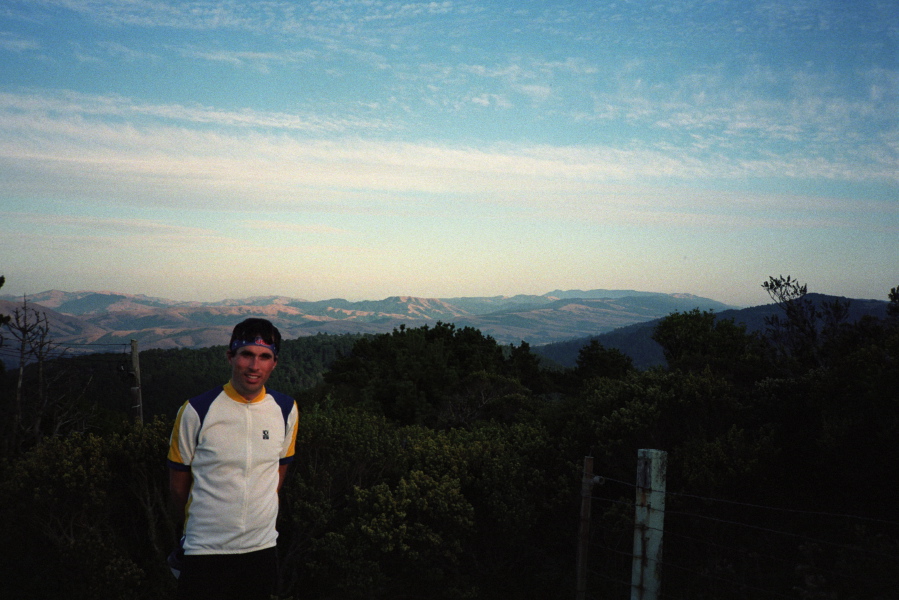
[(799, 332), (893, 307), (595, 360), (38, 409), (524, 366), (414, 376), (694, 341), (30, 329), (4, 319)]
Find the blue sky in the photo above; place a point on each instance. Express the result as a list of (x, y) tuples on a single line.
[(210, 150)]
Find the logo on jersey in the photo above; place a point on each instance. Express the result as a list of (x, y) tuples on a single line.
[(265, 434)]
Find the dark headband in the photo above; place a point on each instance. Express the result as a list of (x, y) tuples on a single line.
[(238, 344)]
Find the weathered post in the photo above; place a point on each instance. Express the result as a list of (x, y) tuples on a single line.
[(138, 406), (587, 483), (584, 529), (649, 521)]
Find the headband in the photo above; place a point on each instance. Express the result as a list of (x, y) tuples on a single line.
[(238, 344)]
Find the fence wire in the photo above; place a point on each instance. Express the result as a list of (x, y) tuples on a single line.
[(720, 548)]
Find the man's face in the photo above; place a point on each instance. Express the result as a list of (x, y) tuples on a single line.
[(251, 367)]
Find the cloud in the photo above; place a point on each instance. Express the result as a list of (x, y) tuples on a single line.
[(491, 100), (74, 107), (14, 42), (242, 58), (297, 228), (109, 226), (128, 54), (109, 149), (313, 19), (151, 13)]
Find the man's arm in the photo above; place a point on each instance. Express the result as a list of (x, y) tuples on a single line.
[(179, 490), (282, 475)]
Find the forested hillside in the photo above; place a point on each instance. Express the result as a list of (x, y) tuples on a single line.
[(435, 463), (636, 340)]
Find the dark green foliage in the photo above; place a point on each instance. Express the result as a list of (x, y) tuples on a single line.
[(377, 510), (303, 362), (594, 360), (434, 463), (432, 376), (86, 514), (170, 377), (695, 341)]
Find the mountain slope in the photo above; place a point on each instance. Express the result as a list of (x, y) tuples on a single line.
[(636, 340)]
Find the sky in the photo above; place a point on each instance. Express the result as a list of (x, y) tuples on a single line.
[(199, 150)]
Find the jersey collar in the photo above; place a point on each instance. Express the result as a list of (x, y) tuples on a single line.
[(232, 393)]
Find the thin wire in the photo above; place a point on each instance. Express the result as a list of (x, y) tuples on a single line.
[(775, 531), (97, 344), (725, 580), (746, 552), (785, 533), (789, 510), (607, 578), (705, 575), (676, 566), (750, 505), (844, 576)]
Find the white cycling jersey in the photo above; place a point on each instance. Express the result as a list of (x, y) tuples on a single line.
[(233, 448)]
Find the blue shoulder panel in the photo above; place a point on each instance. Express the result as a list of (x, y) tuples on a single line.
[(284, 401), (202, 402)]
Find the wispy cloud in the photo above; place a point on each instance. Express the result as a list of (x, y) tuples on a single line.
[(463, 140), (321, 16), (48, 109), (294, 228), (99, 145), (262, 61), (13, 42), (109, 226)]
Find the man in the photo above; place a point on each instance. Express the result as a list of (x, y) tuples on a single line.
[(228, 457)]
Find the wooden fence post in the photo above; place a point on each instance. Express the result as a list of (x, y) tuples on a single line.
[(649, 521), (138, 407), (587, 482)]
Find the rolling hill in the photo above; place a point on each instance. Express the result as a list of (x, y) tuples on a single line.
[(92, 317)]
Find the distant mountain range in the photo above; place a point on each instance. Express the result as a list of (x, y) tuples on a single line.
[(116, 318)]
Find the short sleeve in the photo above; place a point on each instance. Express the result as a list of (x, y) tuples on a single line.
[(290, 439), (183, 442)]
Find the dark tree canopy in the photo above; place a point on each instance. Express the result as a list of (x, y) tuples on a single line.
[(415, 375)]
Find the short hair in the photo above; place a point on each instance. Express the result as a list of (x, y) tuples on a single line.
[(250, 329)]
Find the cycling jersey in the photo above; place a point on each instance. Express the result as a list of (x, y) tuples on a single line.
[(233, 448)]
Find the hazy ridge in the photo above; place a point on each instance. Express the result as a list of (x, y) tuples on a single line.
[(95, 317)]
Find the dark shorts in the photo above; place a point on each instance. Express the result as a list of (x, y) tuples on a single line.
[(250, 576)]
